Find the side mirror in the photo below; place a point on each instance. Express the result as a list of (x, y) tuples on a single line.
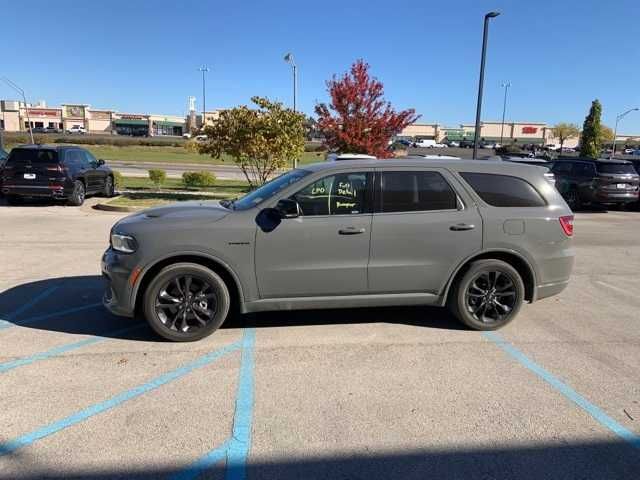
[(101, 162), (288, 208), (268, 219)]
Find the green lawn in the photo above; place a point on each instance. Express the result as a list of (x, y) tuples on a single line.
[(232, 186), (171, 155), (153, 199)]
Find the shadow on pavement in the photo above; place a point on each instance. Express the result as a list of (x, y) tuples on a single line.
[(64, 311), (595, 460)]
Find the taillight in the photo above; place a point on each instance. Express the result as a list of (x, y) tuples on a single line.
[(566, 223), (58, 169)]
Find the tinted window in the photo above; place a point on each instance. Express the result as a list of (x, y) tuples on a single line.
[(76, 158), (340, 194), (583, 170), (616, 168), (32, 155), (503, 190), (415, 191), (562, 168), (90, 158)]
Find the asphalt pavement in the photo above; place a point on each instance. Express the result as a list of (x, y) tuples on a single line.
[(340, 394)]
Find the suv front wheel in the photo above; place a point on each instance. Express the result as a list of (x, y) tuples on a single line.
[(186, 302), (488, 296)]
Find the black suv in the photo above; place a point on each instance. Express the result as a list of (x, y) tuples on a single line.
[(67, 173), (586, 180)]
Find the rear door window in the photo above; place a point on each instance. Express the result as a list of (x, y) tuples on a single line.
[(33, 156), (415, 191), (503, 190), (583, 170), (562, 168), (616, 168)]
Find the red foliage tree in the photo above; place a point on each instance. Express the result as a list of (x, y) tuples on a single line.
[(363, 121)]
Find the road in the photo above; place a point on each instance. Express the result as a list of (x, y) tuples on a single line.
[(378, 393)]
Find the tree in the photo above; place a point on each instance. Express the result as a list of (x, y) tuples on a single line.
[(606, 134), (362, 122), (260, 141), (591, 141), (564, 131)]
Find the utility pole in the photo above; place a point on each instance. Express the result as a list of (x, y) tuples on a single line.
[(204, 69), (506, 86), (615, 130), (290, 60), (485, 34), (24, 100)]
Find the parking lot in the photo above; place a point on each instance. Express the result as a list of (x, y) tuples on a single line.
[(340, 394)]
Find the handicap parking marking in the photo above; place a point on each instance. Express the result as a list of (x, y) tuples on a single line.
[(236, 449), (59, 350), (86, 413), (27, 321), (594, 411), (13, 315)]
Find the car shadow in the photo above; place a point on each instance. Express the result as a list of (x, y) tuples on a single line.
[(523, 460), (73, 305)]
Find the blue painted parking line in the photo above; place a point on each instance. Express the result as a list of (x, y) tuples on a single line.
[(236, 449), (54, 352), (13, 315), (596, 413), (82, 415), (6, 324)]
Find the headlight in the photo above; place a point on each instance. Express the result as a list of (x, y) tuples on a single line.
[(123, 243)]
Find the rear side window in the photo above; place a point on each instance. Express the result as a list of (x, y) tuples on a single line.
[(407, 191), (562, 168), (24, 155), (503, 190), (616, 168)]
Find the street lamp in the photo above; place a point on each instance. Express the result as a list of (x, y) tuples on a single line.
[(204, 69), (481, 83), (290, 60), (506, 86), (24, 100), (615, 130)]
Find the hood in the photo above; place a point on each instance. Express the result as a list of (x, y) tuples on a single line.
[(205, 211)]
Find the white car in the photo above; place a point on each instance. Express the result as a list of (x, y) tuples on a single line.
[(629, 151), (427, 143), (336, 157), (77, 129)]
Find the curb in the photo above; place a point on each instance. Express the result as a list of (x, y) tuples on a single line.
[(115, 208)]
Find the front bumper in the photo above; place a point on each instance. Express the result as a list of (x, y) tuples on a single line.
[(116, 272)]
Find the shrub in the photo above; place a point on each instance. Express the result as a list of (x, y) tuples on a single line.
[(198, 179), (118, 180), (157, 176)]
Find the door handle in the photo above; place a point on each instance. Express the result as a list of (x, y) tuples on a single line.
[(461, 227), (351, 231)]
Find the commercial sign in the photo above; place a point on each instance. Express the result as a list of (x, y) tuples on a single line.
[(40, 112), (529, 130), (100, 115), (74, 111), (126, 116)]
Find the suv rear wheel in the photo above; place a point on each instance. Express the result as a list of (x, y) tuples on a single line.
[(186, 302), (488, 296), (78, 194)]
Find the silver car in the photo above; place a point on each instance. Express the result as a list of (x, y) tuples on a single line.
[(479, 237)]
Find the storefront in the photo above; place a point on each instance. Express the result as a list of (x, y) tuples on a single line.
[(167, 126), (131, 125)]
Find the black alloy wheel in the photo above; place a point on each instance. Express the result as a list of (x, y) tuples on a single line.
[(78, 194), (186, 302)]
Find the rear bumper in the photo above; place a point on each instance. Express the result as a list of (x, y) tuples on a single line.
[(49, 191), (550, 289), (602, 196)]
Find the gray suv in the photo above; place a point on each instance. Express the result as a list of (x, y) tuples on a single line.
[(478, 237)]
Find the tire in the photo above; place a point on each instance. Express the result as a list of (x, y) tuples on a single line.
[(78, 194), (166, 297), (108, 187), (573, 199), (467, 295)]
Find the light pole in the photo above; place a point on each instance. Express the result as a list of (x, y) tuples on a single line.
[(290, 60), (615, 130), (506, 86), (294, 68), (204, 69), (24, 100), (481, 83)]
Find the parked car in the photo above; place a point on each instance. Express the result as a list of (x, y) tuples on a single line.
[(77, 129), (58, 172), (453, 143), (39, 130), (337, 157), (589, 181), (405, 142), (479, 237), (466, 144), (490, 145), (3, 159), (535, 161), (51, 130)]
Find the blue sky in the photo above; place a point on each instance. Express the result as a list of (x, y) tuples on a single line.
[(142, 56)]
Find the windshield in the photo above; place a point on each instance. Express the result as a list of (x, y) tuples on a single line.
[(268, 190), (32, 155), (616, 168)]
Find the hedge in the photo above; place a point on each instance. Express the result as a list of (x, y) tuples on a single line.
[(198, 179)]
